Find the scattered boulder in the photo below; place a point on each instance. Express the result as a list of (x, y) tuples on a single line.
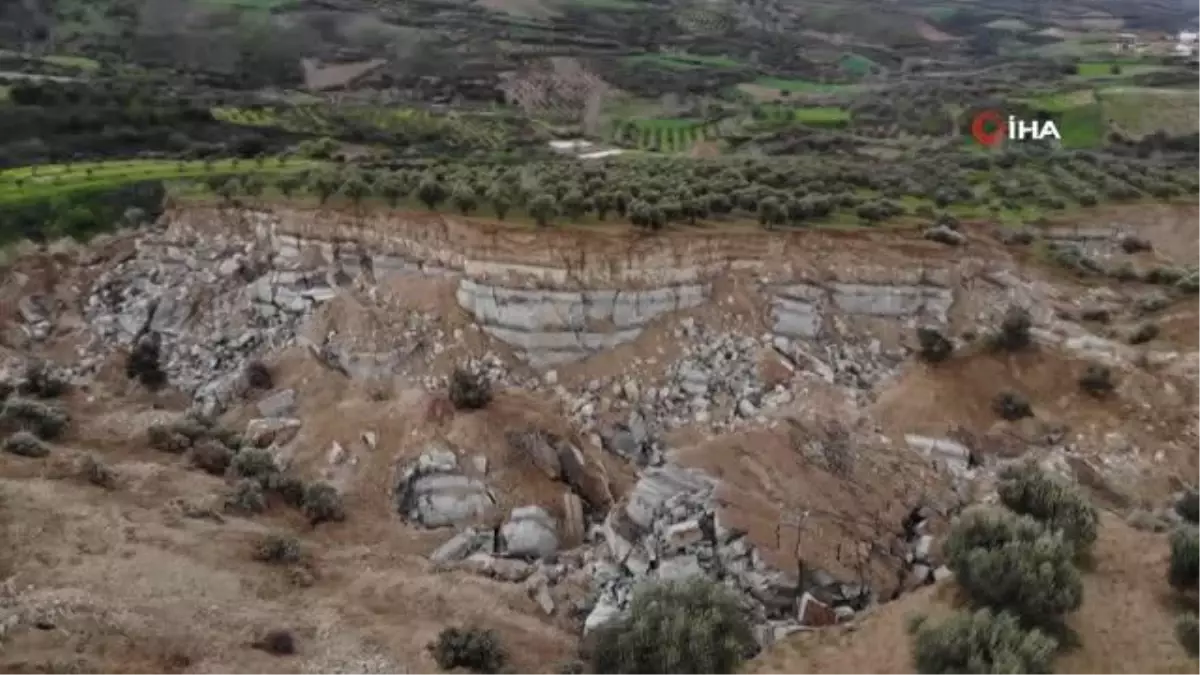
[(433, 493), (529, 533), (460, 546), (265, 432), (945, 235), (281, 403)]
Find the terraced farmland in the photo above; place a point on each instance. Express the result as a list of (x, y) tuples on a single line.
[(663, 135)]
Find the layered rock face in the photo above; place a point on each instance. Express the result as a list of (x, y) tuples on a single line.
[(550, 327)]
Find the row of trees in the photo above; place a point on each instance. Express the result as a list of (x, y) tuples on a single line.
[(505, 194), (656, 192)]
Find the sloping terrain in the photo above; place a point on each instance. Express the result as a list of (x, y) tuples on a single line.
[(759, 386), (1126, 624)]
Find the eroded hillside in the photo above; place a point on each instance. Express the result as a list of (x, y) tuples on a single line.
[(742, 406)]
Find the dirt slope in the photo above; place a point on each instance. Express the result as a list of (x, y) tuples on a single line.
[(1126, 623)]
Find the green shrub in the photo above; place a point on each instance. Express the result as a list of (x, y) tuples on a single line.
[(279, 549), (1009, 562), (322, 503), (1188, 633), (97, 472), (277, 642), (144, 362), (211, 457), (469, 391), (693, 627), (1097, 380), (1014, 330), (164, 437), (289, 488), (981, 642), (43, 380), (258, 375), (476, 649), (1029, 491), (988, 528), (1012, 406), (25, 444), (43, 420), (1185, 558), (254, 463), (935, 347), (247, 497), (1188, 506)]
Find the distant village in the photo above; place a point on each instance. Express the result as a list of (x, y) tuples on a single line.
[(1183, 45)]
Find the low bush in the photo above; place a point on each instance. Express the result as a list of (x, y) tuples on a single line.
[(258, 375), (167, 439), (1184, 571), (982, 642), (46, 421), (1011, 406), (692, 627), (43, 380), (1188, 632), (278, 549), (25, 444), (1097, 380), (144, 362), (1010, 562), (254, 464), (1014, 330), (1030, 491), (322, 503), (97, 472), (469, 391), (476, 649), (211, 457), (935, 347), (1188, 505), (277, 642), (247, 497), (289, 488)]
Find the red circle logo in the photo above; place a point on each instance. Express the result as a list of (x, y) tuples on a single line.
[(988, 127)]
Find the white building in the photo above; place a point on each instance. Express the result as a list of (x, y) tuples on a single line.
[(1187, 37)]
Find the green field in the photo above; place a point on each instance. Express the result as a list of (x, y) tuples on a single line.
[(811, 115), (1101, 69), (1062, 100), (857, 65), (1138, 111), (26, 184)]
